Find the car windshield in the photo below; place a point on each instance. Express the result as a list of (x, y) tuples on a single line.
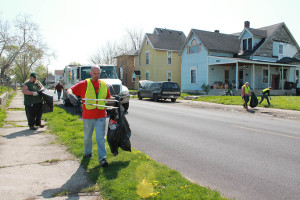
[(107, 72), (169, 85)]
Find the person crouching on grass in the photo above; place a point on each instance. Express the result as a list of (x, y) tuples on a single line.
[(265, 94), (94, 117)]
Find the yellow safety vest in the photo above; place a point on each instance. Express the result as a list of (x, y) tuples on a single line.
[(265, 90), (247, 89), (91, 94)]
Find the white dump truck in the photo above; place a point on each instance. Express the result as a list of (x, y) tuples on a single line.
[(76, 73)]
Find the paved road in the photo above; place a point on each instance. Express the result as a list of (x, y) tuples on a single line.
[(242, 155)]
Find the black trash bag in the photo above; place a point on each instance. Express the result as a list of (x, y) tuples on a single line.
[(47, 103), (253, 101), (119, 137)]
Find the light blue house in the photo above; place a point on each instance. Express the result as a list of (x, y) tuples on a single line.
[(268, 56)]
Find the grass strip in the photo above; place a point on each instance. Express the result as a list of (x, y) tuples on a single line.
[(130, 175), (280, 102)]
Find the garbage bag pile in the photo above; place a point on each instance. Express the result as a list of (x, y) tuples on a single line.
[(118, 132)]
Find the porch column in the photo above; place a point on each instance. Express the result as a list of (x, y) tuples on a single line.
[(282, 77), (236, 75), (253, 75), (268, 75)]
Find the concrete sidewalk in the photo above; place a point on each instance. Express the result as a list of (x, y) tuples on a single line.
[(33, 166)]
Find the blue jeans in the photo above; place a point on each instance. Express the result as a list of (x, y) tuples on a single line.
[(99, 126), (58, 95)]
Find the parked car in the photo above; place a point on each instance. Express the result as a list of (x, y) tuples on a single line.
[(159, 90)]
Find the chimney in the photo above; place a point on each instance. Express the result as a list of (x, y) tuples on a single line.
[(246, 24), (217, 31)]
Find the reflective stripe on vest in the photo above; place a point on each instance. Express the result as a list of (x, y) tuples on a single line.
[(91, 94), (246, 89)]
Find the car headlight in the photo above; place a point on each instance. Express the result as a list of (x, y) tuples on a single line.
[(124, 90)]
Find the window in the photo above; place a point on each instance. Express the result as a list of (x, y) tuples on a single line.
[(265, 75), (169, 76), (280, 50), (133, 77), (247, 44), (147, 76), (194, 47), (244, 45), (250, 44), (147, 43), (147, 58), (169, 57), (193, 76)]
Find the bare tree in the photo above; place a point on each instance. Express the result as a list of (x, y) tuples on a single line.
[(136, 37), (13, 44), (107, 53)]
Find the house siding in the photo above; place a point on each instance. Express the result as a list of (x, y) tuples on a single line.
[(162, 67), (197, 61), (150, 67)]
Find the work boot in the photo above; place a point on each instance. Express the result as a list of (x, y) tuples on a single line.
[(103, 163), (32, 128), (41, 126)]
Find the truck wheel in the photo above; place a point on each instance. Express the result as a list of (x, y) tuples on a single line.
[(139, 96), (155, 97), (173, 100), (126, 106)]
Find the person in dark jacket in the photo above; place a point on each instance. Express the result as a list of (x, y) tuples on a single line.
[(33, 101), (265, 94), (59, 87)]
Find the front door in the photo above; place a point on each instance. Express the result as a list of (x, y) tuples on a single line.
[(241, 78)]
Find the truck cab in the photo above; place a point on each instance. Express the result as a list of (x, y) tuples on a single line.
[(74, 74)]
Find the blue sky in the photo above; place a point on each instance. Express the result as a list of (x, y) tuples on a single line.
[(76, 29)]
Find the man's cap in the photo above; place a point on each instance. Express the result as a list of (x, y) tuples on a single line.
[(33, 74)]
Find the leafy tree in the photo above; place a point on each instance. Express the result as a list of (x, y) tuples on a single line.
[(42, 72), (26, 61)]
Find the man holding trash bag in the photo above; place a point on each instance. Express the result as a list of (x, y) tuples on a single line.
[(33, 101), (93, 112), (245, 94)]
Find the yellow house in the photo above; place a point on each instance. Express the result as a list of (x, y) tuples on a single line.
[(158, 58)]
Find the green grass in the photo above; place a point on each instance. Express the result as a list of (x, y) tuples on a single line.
[(280, 102), (4, 89), (2, 116), (130, 175), (3, 110)]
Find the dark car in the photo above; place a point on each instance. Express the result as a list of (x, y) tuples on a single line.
[(159, 90)]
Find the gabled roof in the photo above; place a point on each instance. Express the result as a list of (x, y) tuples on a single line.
[(166, 39), (258, 32), (132, 52), (271, 29), (215, 41)]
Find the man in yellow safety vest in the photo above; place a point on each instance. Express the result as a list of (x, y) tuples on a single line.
[(94, 117), (245, 94)]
